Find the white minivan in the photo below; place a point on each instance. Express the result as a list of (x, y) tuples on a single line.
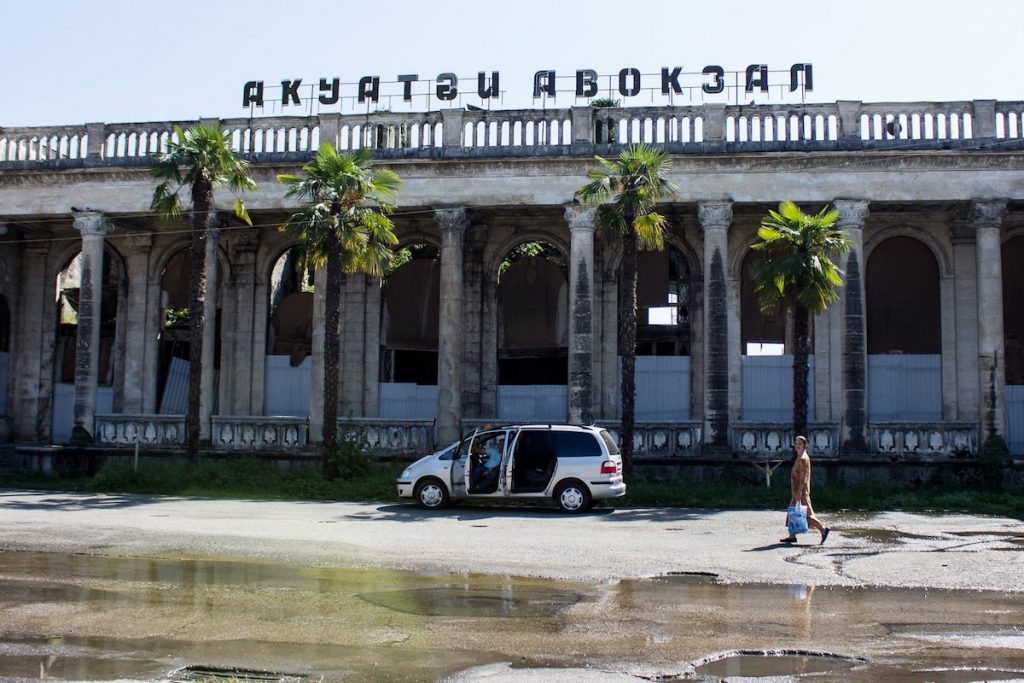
[(569, 464)]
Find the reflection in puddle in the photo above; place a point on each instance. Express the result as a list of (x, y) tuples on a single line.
[(750, 665), (80, 617), (465, 601)]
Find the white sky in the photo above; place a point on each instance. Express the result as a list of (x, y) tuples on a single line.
[(78, 61)]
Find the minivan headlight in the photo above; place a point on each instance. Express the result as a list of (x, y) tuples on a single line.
[(406, 472)]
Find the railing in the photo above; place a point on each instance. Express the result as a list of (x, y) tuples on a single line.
[(661, 439), (150, 431), (703, 128), (390, 436), (774, 440), (259, 433), (935, 441)]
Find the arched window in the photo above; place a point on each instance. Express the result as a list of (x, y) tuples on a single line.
[(173, 362), (409, 323), (289, 362), (760, 334), (902, 294), (904, 334), (533, 333), (409, 333), (663, 303)]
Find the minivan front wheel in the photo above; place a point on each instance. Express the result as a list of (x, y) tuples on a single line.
[(431, 494), (572, 497)]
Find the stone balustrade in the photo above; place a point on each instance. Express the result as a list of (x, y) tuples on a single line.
[(757, 440), (915, 441), (259, 433), (700, 128), (149, 431), (390, 436)]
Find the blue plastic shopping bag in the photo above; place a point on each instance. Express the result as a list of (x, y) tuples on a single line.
[(796, 520)]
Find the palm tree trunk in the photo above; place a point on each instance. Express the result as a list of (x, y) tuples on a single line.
[(332, 348), (801, 351), (202, 200), (627, 344)]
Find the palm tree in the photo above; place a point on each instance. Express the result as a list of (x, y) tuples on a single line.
[(795, 272), (202, 159), (344, 226), (630, 188)]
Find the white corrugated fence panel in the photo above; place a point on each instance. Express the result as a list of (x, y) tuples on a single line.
[(1015, 419), (533, 402), (286, 390), (64, 409), (904, 388), (767, 394), (662, 388), (405, 400), (175, 398)]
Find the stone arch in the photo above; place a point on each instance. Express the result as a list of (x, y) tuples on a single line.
[(902, 297), (173, 250), (942, 254), (495, 254)]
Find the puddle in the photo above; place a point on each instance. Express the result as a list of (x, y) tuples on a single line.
[(885, 536), (770, 664), (82, 617)]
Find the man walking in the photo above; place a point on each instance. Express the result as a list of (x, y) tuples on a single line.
[(800, 487)]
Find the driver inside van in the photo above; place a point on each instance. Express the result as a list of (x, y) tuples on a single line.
[(484, 475)]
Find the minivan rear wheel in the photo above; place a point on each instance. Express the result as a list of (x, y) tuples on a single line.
[(572, 497), (431, 494)]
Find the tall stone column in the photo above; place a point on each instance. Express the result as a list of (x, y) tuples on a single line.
[(987, 217), (852, 214), (243, 359), (715, 218), (94, 228), (965, 326), (453, 223), (32, 386), (206, 395), (137, 336), (317, 371), (582, 222)]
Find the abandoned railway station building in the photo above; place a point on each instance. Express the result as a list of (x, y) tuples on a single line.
[(504, 305)]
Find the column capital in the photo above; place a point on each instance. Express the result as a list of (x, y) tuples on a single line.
[(452, 220), (91, 223), (714, 213), (581, 217), (987, 213), (852, 213)]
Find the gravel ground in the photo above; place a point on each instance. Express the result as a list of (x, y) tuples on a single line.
[(890, 549)]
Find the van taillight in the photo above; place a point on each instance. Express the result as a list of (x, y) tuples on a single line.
[(609, 467)]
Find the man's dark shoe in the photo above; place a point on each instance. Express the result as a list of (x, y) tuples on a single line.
[(824, 535), (789, 539)]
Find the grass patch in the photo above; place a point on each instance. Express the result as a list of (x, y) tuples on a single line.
[(355, 478)]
